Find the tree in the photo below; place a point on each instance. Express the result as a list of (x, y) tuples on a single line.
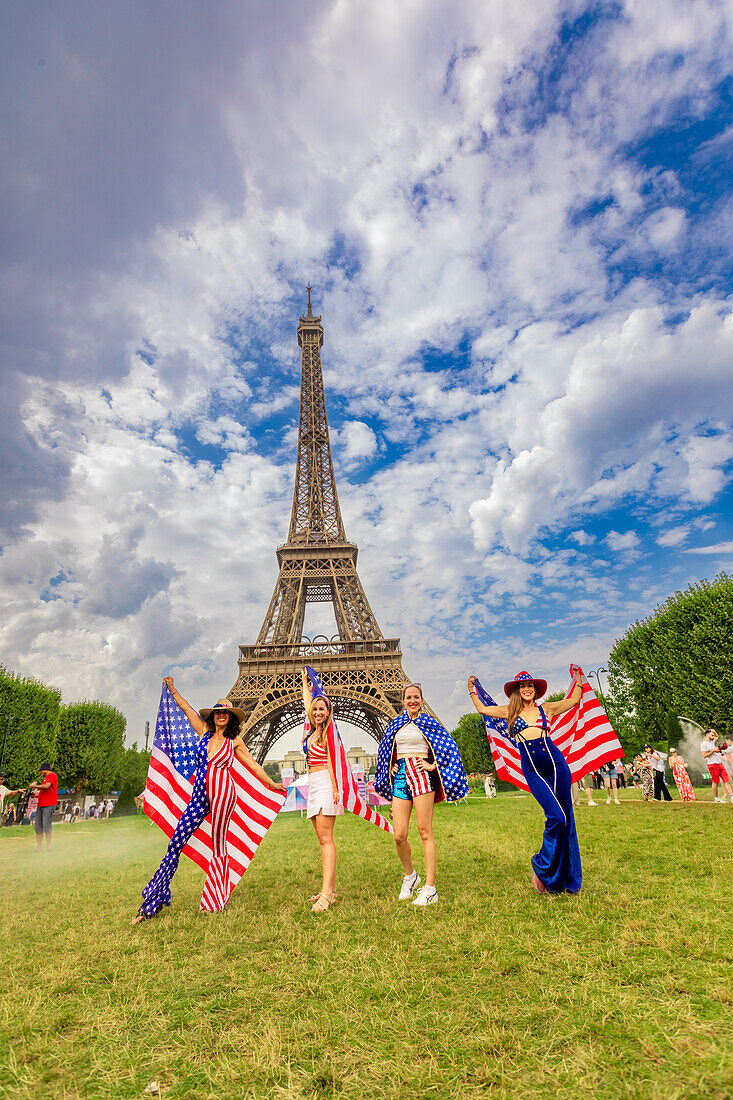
[(32, 728), (90, 745), (273, 770), (678, 661), (473, 744), (130, 778)]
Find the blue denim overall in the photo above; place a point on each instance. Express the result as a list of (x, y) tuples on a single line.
[(557, 864)]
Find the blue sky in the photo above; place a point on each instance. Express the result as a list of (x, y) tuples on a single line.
[(518, 229)]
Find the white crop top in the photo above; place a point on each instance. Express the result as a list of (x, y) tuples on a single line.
[(410, 741)]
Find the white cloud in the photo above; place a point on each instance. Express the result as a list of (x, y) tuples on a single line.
[(616, 540), (719, 548), (356, 441), (674, 535), (582, 538)]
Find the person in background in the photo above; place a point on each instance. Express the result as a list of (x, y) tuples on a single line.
[(583, 784), (608, 771), (646, 774), (75, 813), (681, 778), (110, 806), (489, 786), (714, 759), (47, 791), (657, 761), (620, 773), (5, 792)]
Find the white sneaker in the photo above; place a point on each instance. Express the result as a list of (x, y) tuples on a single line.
[(410, 884), (617, 801), (592, 803), (427, 895), (608, 801), (717, 800)]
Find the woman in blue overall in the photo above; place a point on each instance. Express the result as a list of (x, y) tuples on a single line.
[(556, 867)]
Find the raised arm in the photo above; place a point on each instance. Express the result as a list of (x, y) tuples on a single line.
[(245, 756), (493, 712), (307, 690), (563, 705), (193, 716)]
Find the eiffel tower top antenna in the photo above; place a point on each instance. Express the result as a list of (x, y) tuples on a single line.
[(310, 311)]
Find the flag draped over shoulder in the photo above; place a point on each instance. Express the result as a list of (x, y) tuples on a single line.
[(170, 783), (583, 734), (351, 797)]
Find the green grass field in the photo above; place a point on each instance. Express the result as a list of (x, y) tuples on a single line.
[(623, 991)]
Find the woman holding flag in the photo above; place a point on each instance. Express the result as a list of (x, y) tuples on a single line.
[(214, 792), (331, 784), (418, 763), (323, 792), (556, 867)]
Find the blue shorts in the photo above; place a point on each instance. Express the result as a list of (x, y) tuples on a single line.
[(408, 781)]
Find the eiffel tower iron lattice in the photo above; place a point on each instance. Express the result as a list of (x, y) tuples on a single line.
[(361, 670)]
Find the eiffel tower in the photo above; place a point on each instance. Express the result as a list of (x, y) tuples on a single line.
[(361, 670)]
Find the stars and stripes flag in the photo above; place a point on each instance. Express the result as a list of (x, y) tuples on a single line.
[(351, 797), (170, 783), (583, 734)]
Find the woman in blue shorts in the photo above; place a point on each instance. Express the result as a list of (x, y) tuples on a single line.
[(418, 763)]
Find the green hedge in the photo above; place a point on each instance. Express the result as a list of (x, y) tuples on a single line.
[(90, 745), (32, 731)]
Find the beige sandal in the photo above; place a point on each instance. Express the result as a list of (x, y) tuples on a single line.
[(334, 897), (320, 907)]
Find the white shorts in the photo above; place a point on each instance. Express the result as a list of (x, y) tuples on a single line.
[(320, 795)]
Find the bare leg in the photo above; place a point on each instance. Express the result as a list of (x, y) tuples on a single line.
[(424, 817), (401, 810), (323, 824)]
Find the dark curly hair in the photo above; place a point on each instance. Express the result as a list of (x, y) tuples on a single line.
[(232, 729)]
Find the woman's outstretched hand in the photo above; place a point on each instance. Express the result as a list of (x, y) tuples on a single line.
[(168, 681), (471, 682), (305, 678)]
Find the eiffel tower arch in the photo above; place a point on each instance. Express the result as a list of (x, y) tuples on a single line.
[(361, 670)]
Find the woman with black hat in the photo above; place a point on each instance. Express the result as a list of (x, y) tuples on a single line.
[(556, 867), (213, 792)]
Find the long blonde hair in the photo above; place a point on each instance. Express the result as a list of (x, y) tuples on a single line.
[(320, 737), (516, 704)]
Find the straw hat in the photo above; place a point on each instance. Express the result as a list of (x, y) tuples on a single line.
[(540, 686), (222, 704)]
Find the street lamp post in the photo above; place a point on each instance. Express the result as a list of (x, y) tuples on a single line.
[(597, 673), (10, 718)]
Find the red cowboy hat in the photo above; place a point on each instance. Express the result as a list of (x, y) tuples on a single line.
[(540, 686)]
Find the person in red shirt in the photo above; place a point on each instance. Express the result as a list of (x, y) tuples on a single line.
[(47, 791)]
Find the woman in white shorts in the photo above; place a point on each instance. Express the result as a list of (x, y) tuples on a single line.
[(323, 792)]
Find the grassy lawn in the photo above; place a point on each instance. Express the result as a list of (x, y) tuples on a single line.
[(623, 991)]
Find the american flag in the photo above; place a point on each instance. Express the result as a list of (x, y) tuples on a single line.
[(352, 797), (169, 787), (583, 734)]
